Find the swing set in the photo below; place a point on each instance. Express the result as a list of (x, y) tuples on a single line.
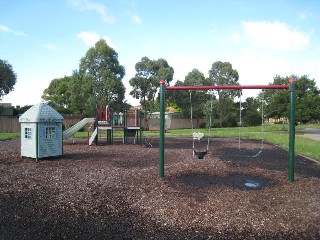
[(201, 154), (198, 135)]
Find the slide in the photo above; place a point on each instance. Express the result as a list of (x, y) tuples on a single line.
[(94, 134), (75, 128)]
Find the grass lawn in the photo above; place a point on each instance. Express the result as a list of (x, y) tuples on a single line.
[(274, 133), (6, 136)]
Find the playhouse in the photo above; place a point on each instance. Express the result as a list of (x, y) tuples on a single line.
[(41, 132)]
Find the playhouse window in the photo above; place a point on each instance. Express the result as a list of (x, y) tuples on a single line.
[(50, 132), (27, 133)]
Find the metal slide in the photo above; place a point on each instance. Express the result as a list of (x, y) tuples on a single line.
[(94, 134), (75, 128)]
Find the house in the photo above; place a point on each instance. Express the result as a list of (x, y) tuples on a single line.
[(6, 109)]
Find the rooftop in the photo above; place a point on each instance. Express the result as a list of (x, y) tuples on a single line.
[(41, 112)]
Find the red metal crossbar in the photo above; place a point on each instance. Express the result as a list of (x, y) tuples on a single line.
[(228, 87)]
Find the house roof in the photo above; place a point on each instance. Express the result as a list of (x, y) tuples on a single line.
[(41, 112)]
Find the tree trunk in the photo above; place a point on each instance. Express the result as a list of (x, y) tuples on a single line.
[(145, 117)]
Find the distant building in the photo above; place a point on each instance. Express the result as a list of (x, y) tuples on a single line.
[(278, 120), (139, 107), (6, 109)]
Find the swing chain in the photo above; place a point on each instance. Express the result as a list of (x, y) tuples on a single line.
[(262, 123)]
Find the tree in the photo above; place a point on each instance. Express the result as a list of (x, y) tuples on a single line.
[(20, 110), (277, 101), (58, 94), (230, 118), (99, 78), (82, 98), (179, 99), (307, 100), (222, 73), (307, 97), (8, 78), (101, 66), (210, 111), (146, 81), (96, 83), (198, 98), (251, 112)]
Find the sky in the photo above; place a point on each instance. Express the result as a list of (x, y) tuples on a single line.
[(45, 40)]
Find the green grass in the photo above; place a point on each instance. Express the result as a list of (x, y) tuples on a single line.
[(6, 136), (275, 133)]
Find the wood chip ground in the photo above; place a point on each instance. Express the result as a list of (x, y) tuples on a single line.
[(114, 192)]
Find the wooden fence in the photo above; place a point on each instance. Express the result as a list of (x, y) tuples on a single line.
[(11, 124), (70, 120), (8, 125), (175, 123)]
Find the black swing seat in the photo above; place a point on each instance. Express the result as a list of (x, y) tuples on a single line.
[(199, 155)]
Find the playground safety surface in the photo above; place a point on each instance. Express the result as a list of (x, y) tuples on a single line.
[(114, 192)]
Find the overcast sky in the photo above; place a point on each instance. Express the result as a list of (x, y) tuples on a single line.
[(44, 40)]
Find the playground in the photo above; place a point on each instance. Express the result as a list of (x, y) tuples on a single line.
[(114, 192)]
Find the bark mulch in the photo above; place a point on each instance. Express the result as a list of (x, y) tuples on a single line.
[(114, 192)]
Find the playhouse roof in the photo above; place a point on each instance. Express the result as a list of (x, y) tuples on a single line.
[(41, 112)]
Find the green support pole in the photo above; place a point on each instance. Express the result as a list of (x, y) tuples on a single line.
[(111, 124), (125, 129), (292, 126), (161, 146)]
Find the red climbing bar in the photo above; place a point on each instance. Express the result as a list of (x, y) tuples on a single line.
[(228, 87)]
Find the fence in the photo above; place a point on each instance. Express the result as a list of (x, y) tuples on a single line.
[(175, 123), (11, 124), (71, 119)]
